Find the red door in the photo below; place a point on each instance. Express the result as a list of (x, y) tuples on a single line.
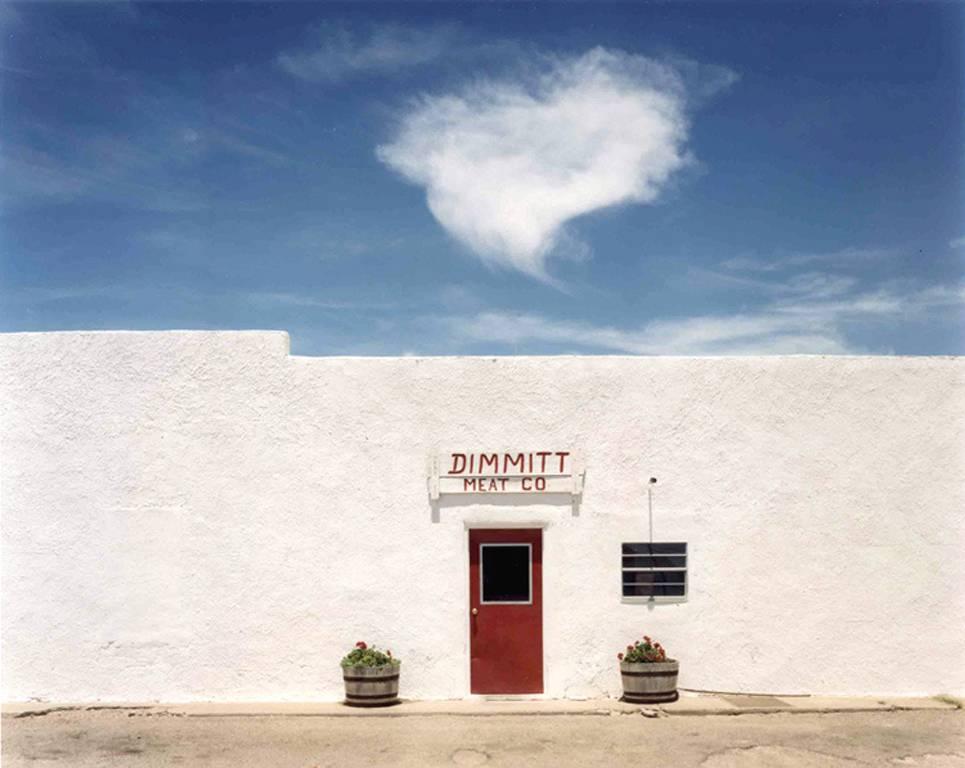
[(506, 610)]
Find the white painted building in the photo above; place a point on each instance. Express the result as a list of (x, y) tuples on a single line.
[(201, 516)]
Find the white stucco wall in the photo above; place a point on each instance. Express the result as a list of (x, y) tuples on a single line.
[(200, 516)]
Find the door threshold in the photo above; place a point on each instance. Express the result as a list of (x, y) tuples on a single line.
[(508, 697)]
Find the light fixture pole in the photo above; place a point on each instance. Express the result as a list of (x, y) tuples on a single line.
[(653, 482)]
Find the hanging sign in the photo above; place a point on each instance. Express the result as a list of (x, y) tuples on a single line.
[(505, 472)]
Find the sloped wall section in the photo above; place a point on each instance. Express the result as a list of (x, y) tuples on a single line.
[(200, 516)]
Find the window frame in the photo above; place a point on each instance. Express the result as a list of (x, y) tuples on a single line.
[(482, 571), (684, 570)]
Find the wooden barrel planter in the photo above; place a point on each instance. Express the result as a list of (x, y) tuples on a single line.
[(650, 682), (372, 686)]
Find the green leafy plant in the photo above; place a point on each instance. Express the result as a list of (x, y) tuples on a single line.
[(363, 655), (643, 651)]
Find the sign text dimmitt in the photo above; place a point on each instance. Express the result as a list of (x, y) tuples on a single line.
[(505, 472)]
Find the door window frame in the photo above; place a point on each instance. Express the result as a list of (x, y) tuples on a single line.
[(529, 571)]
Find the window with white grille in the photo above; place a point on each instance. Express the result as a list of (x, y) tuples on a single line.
[(654, 570)]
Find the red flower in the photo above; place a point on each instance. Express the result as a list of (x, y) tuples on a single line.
[(629, 647), (361, 646), (646, 638), (620, 656)]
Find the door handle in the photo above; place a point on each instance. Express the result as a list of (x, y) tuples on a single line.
[(475, 611)]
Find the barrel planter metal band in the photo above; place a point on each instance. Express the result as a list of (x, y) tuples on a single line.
[(649, 683), (371, 686)]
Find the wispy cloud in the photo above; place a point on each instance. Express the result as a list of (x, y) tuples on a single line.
[(941, 296), (143, 143), (150, 163), (732, 335), (339, 52), (212, 138), (49, 294), (102, 168), (779, 262), (8, 16), (289, 299), (507, 163), (958, 242), (816, 285), (797, 325), (813, 284)]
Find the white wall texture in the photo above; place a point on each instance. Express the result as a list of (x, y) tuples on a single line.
[(200, 516)]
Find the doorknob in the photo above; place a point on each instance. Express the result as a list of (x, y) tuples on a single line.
[(475, 611)]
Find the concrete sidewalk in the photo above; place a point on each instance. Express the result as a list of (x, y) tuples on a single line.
[(422, 735), (689, 704)]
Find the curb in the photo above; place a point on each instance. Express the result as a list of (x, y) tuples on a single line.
[(714, 706)]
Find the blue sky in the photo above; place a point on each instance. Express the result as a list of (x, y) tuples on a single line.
[(489, 179)]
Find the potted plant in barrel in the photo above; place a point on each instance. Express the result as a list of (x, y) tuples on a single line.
[(371, 677), (649, 677)]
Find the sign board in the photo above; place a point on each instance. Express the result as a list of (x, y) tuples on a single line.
[(505, 472)]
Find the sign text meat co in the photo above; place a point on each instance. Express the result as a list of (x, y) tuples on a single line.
[(505, 472)]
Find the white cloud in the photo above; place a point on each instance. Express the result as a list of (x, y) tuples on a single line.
[(340, 52), (800, 325), (958, 242), (506, 164)]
